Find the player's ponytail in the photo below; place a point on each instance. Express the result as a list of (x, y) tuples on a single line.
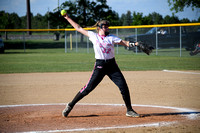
[(100, 24), (96, 25)]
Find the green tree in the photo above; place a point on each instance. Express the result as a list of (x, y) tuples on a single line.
[(24, 22), (156, 18), (9, 21), (4, 20), (39, 22), (56, 19), (185, 20), (113, 18), (122, 18), (15, 21), (146, 20), (128, 19), (86, 12), (179, 5), (137, 18), (171, 20)]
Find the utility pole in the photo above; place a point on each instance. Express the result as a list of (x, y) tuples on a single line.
[(48, 20), (58, 11), (28, 16)]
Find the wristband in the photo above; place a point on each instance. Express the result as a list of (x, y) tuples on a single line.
[(132, 44)]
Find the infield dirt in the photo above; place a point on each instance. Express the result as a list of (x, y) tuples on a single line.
[(146, 88)]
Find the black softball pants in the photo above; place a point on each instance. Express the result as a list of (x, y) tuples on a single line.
[(102, 68)]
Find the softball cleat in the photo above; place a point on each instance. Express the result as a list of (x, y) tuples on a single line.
[(132, 113), (66, 111)]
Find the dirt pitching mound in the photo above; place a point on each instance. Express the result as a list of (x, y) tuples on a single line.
[(85, 117)]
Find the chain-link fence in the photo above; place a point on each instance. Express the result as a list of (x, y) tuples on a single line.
[(168, 40)]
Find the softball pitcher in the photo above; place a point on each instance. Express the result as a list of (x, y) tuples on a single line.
[(103, 44)]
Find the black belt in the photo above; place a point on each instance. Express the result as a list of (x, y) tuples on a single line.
[(106, 60)]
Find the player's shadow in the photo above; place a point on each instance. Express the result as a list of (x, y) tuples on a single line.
[(141, 115), (167, 114), (85, 116), (91, 115)]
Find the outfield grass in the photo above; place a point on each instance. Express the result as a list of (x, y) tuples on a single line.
[(55, 60)]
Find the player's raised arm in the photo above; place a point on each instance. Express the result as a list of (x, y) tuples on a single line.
[(74, 24)]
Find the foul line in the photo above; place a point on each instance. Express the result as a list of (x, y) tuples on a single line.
[(54, 104), (105, 128), (180, 72)]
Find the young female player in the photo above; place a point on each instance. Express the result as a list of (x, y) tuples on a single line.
[(103, 44)]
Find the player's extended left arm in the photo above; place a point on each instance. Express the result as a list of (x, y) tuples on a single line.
[(142, 46), (128, 43)]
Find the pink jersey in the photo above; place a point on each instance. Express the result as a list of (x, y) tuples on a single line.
[(103, 45)]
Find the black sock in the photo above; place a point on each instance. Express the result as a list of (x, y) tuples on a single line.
[(77, 98), (127, 101)]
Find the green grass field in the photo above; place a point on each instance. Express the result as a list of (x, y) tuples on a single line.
[(55, 60)]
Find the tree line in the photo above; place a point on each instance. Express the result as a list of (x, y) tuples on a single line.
[(86, 13)]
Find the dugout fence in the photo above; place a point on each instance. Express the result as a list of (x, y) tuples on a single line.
[(167, 39)]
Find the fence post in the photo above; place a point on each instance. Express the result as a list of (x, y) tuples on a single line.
[(87, 44), (76, 43), (65, 41), (156, 41), (70, 41), (6, 36), (136, 40), (117, 45), (180, 42), (24, 42)]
